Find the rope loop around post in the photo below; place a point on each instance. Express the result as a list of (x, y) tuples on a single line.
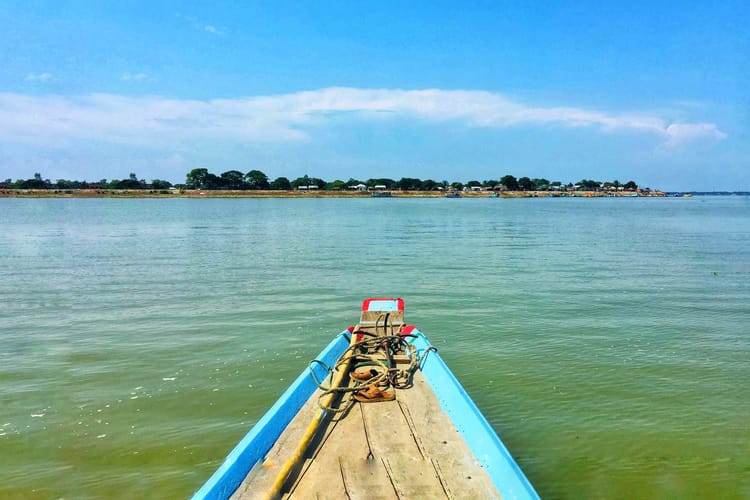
[(315, 378)]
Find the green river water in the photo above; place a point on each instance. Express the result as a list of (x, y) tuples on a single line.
[(606, 340)]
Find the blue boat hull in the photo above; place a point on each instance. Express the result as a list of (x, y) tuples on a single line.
[(484, 443)]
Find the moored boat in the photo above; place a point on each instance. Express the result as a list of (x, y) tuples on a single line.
[(381, 194), (377, 413)]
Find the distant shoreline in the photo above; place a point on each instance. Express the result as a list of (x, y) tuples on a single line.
[(196, 193)]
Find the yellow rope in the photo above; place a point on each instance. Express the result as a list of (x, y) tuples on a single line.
[(325, 401), (295, 459)]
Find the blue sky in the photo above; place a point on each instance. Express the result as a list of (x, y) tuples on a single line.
[(655, 92)]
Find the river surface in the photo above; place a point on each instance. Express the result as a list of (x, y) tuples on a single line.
[(607, 341)]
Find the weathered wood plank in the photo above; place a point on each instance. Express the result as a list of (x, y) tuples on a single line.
[(262, 476), (392, 441), (365, 479), (322, 478), (407, 448), (455, 464)]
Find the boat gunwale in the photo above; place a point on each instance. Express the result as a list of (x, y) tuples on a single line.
[(479, 435), (482, 440), (262, 436)]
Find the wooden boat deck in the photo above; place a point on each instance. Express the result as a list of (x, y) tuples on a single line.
[(405, 448)]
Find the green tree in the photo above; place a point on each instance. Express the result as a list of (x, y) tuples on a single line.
[(509, 182), (409, 184), (132, 182), (631, 186), (301, 181), (213, 181), (233, 179), (337, 185), (36, 183), (388, 183), (589, 185), (257, 180), (281, 184), (160, 184), (196, 178), (526, 184), (316, 181)]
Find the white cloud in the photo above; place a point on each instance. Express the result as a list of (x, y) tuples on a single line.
[(213, 30), (38, 77), (199, 25), (151, 120), (682, 133), (134, 77)]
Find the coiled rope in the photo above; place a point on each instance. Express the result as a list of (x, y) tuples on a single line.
[(359, 354)]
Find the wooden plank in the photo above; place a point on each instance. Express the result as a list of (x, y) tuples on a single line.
[(323, 477), (407, 448), (454, 463), (365, 479), (392, 441)]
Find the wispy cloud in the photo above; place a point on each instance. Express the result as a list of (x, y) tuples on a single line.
[(199, 25), (134, 77), (151, 120), (681, 133), (213, 30), (38, 77)]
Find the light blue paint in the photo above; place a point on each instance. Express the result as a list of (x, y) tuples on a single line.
[(385, 305), (264, 434)]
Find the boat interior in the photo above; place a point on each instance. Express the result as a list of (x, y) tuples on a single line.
[(375, 429)]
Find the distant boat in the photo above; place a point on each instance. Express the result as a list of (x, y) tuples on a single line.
[(381, 194), (494, 195), (378, 412), (452, 194)]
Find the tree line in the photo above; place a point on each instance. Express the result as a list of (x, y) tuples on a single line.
[(201, 178), (132, 182)]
